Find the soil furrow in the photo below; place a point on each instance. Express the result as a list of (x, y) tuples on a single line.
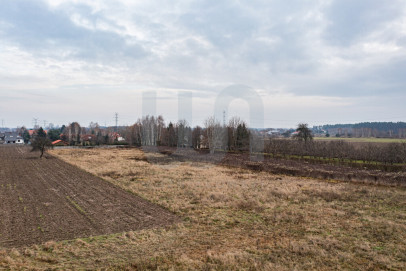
[(48, 199)]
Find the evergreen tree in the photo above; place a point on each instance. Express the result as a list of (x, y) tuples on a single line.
[(54, 134), (26, 136), (243, 137), (304, 133)]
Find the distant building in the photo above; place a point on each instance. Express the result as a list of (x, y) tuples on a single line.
[(294, 134), (88, 139), (13, 138), (33, 132), (274, 132), (116, 137), (60, 143)]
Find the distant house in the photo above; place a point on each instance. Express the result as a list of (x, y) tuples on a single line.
[(13, 138), (116, 137), (33, 133), (60, 143), (294, 134), (274, 132), (88, 139)]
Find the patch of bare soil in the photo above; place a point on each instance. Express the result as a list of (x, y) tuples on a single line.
[(48, 199)]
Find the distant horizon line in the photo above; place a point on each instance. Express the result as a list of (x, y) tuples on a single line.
[(57, 126)]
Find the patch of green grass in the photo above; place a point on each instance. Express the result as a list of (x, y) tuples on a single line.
[(327, 160), (76, 205)]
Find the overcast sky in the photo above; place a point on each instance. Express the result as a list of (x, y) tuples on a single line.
[(333, 61)]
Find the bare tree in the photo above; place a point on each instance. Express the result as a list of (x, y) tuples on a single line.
[(183, 133), (197, 137), (73, 133), (237, 132), (214, 133)]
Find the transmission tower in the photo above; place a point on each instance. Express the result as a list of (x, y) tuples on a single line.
[(116, 118), (35, 123)]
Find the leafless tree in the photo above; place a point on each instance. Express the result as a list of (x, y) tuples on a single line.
[(183, 132), (214, 134)]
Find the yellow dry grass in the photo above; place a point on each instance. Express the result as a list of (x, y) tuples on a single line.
[(233, 219)]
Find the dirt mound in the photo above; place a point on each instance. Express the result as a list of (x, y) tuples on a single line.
[(48, 199)]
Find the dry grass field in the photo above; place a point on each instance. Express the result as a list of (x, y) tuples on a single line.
[(232, 219)]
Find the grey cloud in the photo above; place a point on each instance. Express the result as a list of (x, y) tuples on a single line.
[(350, 21), (37, 28), (224, 24), (386, 80), (204, 46)]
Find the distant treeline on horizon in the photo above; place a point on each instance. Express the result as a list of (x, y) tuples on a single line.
[(380, 126)]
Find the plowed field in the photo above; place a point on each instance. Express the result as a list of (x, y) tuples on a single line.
[(48, 199)]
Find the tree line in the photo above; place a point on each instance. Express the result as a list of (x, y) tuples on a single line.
[(152, 131), (387, 153), (234, 135), (368, 129)]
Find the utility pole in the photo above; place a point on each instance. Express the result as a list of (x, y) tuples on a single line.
[(2, 123), (116, 117)]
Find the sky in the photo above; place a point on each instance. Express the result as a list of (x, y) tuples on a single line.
[(312, 61)]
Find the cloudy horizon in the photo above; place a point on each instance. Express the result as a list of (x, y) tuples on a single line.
[(319, 62)]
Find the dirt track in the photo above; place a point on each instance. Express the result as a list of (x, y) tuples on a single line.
[(48, 199)]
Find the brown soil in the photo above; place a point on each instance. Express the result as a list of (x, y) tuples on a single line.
[(48, 199)]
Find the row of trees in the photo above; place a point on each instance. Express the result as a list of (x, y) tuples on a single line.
[(368, 129), (234, 136), (389, 153), (152, 131), (74, 134)]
